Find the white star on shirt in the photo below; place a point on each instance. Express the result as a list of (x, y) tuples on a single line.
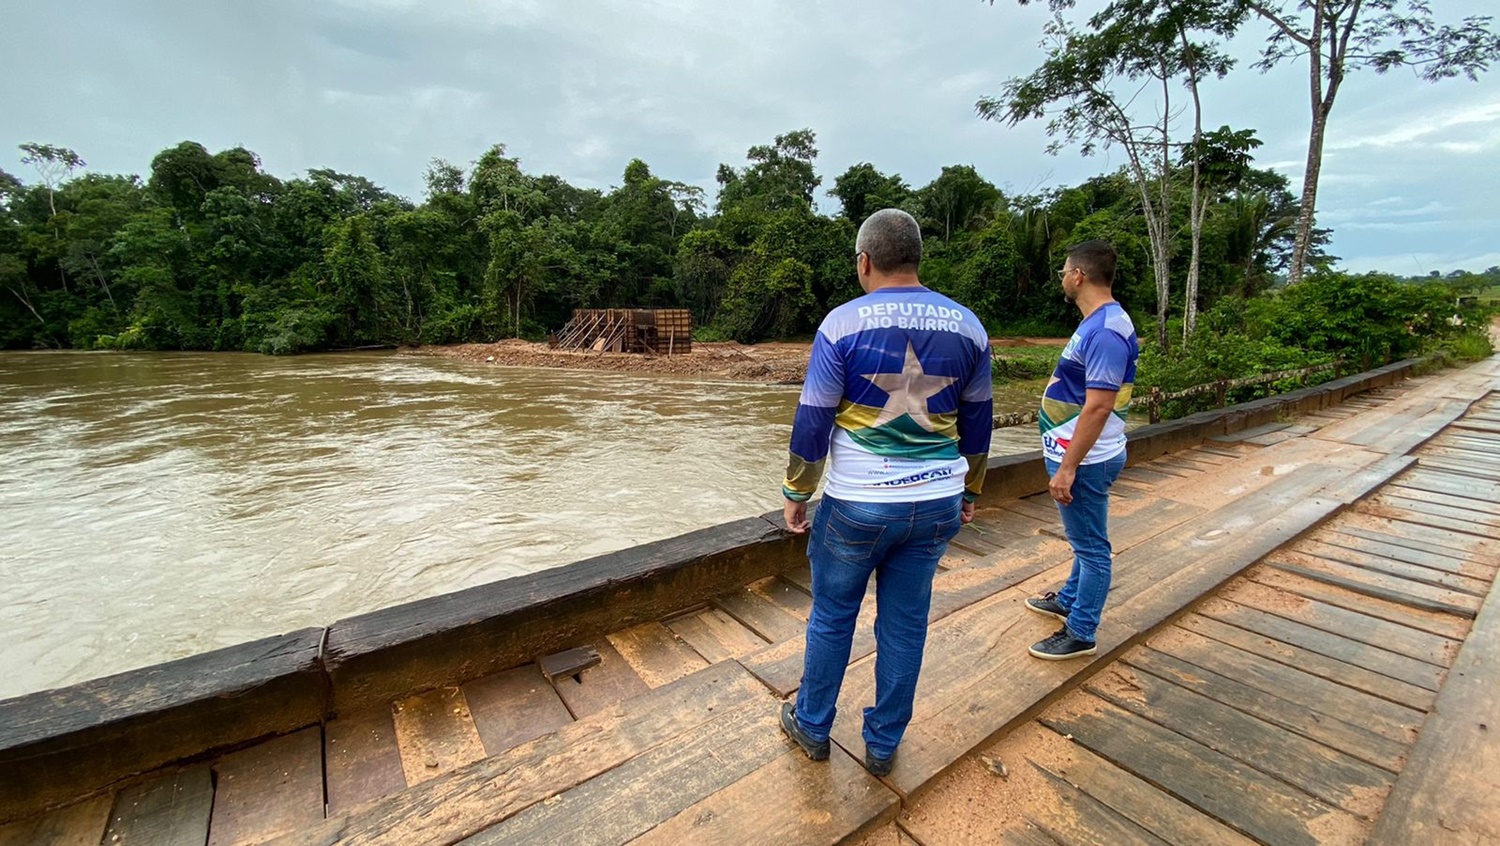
[(908, 391)]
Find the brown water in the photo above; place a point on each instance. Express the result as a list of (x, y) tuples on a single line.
[(157, 505)]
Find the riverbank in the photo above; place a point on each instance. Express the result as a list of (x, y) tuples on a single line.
[(779, 362)]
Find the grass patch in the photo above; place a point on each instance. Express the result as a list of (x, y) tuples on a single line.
[(1017, 364)]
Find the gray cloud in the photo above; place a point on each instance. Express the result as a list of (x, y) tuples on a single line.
[(378, 87)]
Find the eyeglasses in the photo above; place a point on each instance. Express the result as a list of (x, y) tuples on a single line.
[(1063, 274)]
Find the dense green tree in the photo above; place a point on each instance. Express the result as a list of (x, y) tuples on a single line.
[(959, 200), (212, 253), (862, 190), (779, 176)]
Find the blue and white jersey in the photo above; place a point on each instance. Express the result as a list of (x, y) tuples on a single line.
[(1102, 354), (897, 402)]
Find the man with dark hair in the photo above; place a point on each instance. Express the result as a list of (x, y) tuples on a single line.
[(1083, 444), (898, 403)]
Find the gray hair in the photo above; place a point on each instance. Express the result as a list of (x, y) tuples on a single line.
[(892, 239)]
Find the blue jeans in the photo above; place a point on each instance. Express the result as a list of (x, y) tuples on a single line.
[(1086, 522), (900, 542)]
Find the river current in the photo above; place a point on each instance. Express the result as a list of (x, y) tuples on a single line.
[(157, 505)]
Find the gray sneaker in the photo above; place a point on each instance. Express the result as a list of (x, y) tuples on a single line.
[(1048, 605), (1062, 646)]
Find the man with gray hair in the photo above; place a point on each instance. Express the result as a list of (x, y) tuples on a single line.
[(898, 405)]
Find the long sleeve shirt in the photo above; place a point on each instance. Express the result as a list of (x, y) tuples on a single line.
[(898, 402)]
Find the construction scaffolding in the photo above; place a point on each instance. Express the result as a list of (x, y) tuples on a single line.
[(661, 331)]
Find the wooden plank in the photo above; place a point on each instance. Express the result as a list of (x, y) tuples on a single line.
[(1406, 591), (1270, 468), (435, 733), (1391, 567), (1448, 490), (1321, 697), (1471, 441), (1321, 771), (1182, 464), (983, 541), (1043, 514), (1153, 810), (786, 596), (270, 789), (656, 655), (1248, 800), (1416, 535), (1464, 454), (569, 662), (1479, 426), (1274, 438), (171, 809), (1078, 818), (1382, 634), (1444, 625), (1442, 504), (1433, 559), (715, 635), (1447, 792), (1409, 512), (801, 576), (80, 824), (59, 745), (1027, 835), (613, 681), (1396, 427), (362, 761), (1253, 431), (661, 785), (1233, 452), (1211, 458), (1350, 675), (1350, 738), (1167, 465), (514, 706), (815, 803), (1465, 466), (760, 615), (1145, 476), (473, 798), (631, 799)]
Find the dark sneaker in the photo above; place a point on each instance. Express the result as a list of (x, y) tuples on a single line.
[(1048, 605), (815, 749), (1062, 646), (878, 766)]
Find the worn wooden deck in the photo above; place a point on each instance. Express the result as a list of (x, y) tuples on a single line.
[(1298, 649)]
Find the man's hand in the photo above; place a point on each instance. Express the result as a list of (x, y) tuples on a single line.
[(1062, 485), (966, 514), (795, 515)]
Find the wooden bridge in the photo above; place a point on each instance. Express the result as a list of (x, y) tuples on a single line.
[(1301, 646)]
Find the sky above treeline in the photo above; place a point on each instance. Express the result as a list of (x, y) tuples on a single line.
[(380, 87)]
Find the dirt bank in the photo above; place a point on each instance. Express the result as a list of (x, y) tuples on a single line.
[(774, 362)]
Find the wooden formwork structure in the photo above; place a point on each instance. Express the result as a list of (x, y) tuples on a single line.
[(663, 331)]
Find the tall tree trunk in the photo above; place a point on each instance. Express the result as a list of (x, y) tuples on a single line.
[(1303, 242), (1198, 205), (1302, 246), (1164, 218)]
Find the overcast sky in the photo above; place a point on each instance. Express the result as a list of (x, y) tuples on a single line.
[(379, 87)]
